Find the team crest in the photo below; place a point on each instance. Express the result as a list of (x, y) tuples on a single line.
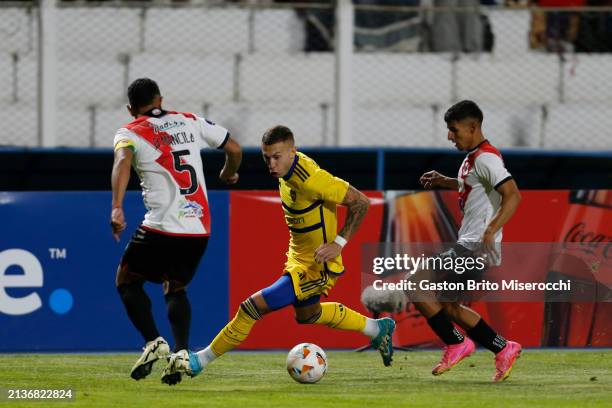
[(465, 169), (293, 195), (189, 209)]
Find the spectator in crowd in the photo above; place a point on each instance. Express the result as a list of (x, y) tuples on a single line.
[(391, 30), (595, 29), (537, 30), (318, 23), (561, 26), (319, 26), (374, 29), (454, 30)]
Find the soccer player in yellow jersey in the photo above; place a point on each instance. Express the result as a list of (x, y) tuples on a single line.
[(309, 198)]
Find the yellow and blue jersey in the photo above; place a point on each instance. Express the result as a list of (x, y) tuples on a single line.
[(309, 197)]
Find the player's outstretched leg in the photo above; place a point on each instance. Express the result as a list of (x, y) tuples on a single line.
[(384, 341), (232, 335), (152, 351), (338, 316)]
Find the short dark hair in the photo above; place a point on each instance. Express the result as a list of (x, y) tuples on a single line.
[(277, 134), (463, 110), (141, 92)]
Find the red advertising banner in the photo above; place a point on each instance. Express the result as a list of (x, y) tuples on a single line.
[(259, 240)]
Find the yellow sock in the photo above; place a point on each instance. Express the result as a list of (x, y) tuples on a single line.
[(338, 316), (236, 331)]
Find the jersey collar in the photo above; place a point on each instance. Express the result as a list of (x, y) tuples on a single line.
[(155, 112), (287, 176), (478, 146)]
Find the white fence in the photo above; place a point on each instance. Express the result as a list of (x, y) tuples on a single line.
[(245, 67)]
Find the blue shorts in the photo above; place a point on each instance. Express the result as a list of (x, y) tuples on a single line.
[(281, 293)]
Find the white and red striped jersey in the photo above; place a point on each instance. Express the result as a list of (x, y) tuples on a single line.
[(482, 171), (167, 160)]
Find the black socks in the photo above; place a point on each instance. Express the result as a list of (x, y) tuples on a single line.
[(484, 335), (179, 315), (445, 330), (138, 307)]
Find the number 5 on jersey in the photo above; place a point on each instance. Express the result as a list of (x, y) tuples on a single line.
[(181, 167)]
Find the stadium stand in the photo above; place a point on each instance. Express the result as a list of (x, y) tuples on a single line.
[(188, 78), (512, 42), (196, 30), (587, 79), (74, 127), (97, 82), (27, 78), (311, 123), (243, 67), (508, 125), (395, 126), (528, 79), (415, 79), (293, 78), (107, 120), (103, 33), (566, 127), (26, 115), (6, 78), (277, 32), (16, 30)]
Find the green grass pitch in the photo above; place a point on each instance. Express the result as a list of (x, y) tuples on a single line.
[(541, 378)]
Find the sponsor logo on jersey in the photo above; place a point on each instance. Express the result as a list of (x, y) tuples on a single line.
[(164, 127), (190, 209), (296, 220)]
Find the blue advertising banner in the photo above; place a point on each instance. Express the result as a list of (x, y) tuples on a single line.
[(58, 261)]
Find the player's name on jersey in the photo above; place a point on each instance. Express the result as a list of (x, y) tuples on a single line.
[(175, 138)]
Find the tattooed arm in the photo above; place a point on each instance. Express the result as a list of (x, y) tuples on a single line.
[(358, 205)]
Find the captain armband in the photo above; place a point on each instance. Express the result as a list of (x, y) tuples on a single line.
[(125, 143)]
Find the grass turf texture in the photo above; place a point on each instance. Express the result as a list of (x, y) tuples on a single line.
[(539, 379)]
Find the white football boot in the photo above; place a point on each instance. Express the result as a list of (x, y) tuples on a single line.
[(153, 351), (182, 362)]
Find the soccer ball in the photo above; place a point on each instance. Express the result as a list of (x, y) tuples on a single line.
[(306, 363)]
